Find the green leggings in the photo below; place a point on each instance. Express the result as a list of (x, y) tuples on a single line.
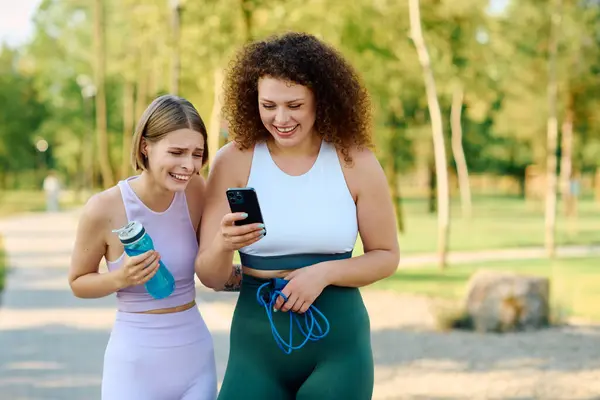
[(339, 366)]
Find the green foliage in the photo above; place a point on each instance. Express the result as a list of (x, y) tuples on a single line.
[(21, 114), (499, 60)]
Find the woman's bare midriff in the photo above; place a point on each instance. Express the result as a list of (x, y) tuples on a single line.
[(257, 273), (170, 310)]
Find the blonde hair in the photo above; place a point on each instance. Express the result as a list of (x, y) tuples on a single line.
[(164, 115)]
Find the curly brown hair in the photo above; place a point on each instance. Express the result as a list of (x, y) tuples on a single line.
[(343, 108)]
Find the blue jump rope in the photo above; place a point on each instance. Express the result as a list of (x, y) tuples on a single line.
[(268, 299)]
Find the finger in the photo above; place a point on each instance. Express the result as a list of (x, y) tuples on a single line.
[(141, 275), (229, 219), (144, 264), (247, 237), (234, 231), (287, 306), (304, 308), (149, 276), (248, 243), (298, 305), (150, 269), (282, 298), (143, 258), (279, 302)]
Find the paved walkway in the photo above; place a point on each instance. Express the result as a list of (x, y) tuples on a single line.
[(52, 344)]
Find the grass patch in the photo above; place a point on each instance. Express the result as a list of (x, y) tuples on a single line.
[(574, 282), (497, 222), (21, 201), (24, 201)]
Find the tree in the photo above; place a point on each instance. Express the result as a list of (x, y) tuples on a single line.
[(99, 77), (458, 151), (552, 134), (443, 206)]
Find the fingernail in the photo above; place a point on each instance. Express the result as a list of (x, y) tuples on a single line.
[(244, 215), (262, 232), (275, 310), (261, 226)]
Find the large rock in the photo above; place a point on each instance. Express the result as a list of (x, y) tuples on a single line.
[(504, 301)]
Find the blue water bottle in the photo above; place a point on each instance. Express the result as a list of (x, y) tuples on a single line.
[(136, 241)]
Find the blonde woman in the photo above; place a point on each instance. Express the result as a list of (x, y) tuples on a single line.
[(158, 349)]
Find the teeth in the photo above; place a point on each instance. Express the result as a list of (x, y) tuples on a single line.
[(181, 177), (285, 130)]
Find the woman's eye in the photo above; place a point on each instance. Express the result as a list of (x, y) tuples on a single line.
[(268, 106)]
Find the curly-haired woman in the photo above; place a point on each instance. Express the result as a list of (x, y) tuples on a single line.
[(300, 120)]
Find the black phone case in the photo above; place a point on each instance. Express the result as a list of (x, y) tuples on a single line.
[(245, 200)]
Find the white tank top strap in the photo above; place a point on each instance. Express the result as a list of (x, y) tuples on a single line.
[(261, 158)]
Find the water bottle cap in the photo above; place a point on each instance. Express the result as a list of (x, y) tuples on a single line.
[(130, 232)]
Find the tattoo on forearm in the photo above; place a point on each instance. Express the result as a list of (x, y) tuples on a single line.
[(235, 281)]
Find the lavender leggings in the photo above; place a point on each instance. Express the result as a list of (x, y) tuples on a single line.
[(159, 357)]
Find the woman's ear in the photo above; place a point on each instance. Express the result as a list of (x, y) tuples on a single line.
[(144, 147)]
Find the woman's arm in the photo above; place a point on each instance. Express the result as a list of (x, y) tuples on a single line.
[(377, 227), (90, 247), (213, 262), (196, 196), (234, 284), (219, 237)]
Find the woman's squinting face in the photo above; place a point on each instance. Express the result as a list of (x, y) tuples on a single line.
[(287, 110), (174, 159)]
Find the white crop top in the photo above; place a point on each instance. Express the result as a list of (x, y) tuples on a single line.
[(310, 213)]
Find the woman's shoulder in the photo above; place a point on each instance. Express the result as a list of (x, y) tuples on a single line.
[(232, 152), (231, 162), (101, 206), (359, 159), (362, 171)]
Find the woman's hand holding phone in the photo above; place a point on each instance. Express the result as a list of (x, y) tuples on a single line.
[(233, 237)]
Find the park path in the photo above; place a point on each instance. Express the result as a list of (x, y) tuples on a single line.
[(52, 344)]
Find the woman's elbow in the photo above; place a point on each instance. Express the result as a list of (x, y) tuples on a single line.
[(392, 262), (205, 276), (208, 281), (75, 288)]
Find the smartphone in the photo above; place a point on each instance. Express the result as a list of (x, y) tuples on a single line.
[(245, 200)]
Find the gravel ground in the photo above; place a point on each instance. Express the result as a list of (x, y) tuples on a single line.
[(52, 343)]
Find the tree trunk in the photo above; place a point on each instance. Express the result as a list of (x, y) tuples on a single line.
[(141, 92), (392, 176), (214, 129), (597, 185), (459, 153), (437, 132), (552, 137), (176, 60), (432, 198), (566, 159), (99, 71), (247, 11), (128, 126)]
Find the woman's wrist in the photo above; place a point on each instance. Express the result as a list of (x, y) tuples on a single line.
[(118, 280)]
